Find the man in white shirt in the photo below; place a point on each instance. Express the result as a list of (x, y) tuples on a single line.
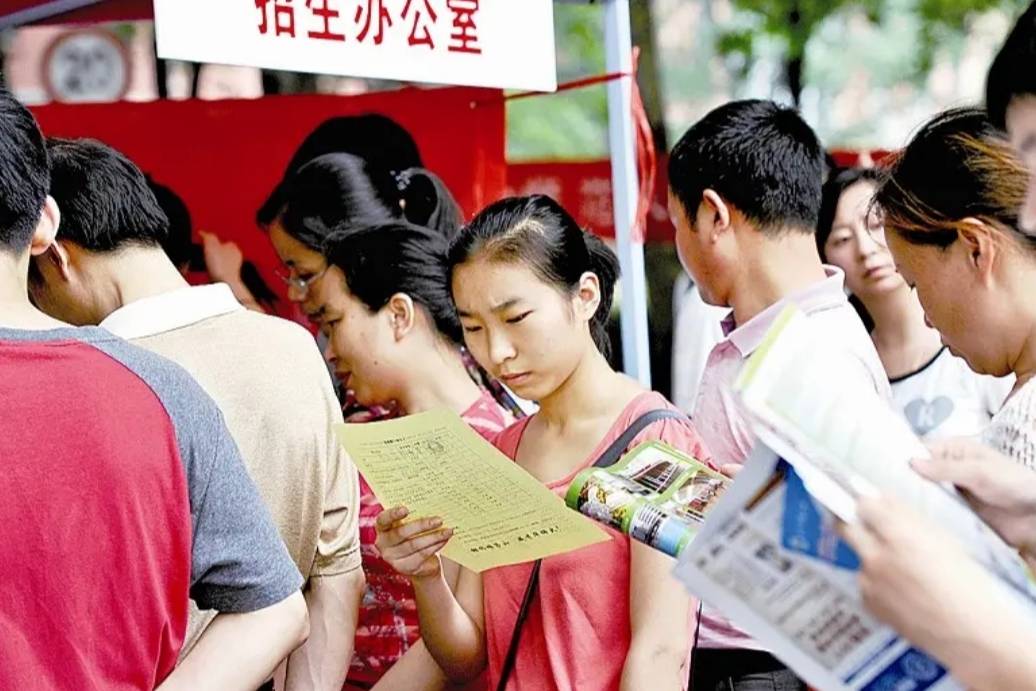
[(697, 328)]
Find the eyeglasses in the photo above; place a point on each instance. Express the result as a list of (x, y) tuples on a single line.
[(300, 284)]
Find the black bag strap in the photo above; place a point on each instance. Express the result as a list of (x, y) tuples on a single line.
[(618, 447), (519, 624), (610, 456)]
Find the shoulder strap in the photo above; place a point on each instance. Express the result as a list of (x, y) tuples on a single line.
[(516, 636), (610, 456), (618, 447)]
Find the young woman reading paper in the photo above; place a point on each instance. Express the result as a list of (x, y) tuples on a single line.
[(533, 292)]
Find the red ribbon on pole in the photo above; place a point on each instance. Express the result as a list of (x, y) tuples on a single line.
[(646, 154)]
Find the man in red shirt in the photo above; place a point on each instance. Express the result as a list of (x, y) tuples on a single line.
[(123, 494)]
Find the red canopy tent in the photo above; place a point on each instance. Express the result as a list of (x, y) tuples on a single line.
[(20, 12), (223, 157)]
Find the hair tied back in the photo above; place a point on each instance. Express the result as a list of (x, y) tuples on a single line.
[(402, 178)]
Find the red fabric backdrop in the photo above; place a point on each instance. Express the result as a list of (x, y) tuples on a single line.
[(54, 11), (108, 11), (224, 157), (585, 189)]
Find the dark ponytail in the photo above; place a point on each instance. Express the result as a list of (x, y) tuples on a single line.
[(383, 260), (538, 232), (427, 202), (376, 138), (337, 192)]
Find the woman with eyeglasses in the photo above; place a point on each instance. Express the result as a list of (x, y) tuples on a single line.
[(934, 389), (394, 335), (344, 191)]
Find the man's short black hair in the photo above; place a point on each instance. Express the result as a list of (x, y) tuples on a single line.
[(762, 158), (24, 174), (104, 199), (1013, 72)]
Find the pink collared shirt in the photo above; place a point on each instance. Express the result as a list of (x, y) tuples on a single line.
[(723, 425)]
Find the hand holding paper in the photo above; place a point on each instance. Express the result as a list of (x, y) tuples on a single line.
[(903, 576), (411, 548), (436, 466), (999, 489), (769, 558), (916, 578)]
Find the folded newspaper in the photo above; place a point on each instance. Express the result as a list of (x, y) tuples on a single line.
[(769, 556), (654, 494)]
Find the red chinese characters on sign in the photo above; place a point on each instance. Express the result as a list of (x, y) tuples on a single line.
[(283, 17), (372, 13), (372, 20), (324, 12), (420, 32), (464, 37)]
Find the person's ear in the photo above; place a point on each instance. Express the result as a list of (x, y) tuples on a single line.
[(60, 258), (402, 314), (982, 245), (46, 229), (714, 214), (587, 297)]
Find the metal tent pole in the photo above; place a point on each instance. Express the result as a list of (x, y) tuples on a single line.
[(622, 143)]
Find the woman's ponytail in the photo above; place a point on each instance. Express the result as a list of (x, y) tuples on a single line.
[(427, 202)]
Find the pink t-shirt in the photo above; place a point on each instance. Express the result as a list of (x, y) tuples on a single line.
[(720, 419), (578, 631)]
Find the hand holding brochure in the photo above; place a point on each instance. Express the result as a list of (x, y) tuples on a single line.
[(654, 494), (805, 610), (769, 557), (844, 441)]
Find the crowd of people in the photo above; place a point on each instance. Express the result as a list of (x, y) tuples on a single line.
[(178, 514)]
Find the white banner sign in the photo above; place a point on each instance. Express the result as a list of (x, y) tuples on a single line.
[(491, 43)]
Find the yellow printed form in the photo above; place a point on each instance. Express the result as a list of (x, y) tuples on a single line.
[(435, 465)]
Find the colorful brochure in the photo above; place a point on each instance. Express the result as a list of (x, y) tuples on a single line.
[(654, 494)]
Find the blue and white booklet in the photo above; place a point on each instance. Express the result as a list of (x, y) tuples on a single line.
[(769, 557)]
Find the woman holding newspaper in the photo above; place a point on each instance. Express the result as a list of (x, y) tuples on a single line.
[(951, 205), (533, 292)]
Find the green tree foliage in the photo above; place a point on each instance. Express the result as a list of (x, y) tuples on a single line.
[(793, 23), (569, 125), (945, 20)]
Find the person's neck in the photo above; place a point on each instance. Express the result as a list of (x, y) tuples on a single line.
[(16, 312), (774, 268), (905, 343), (592, 390), (898, 319), (439, 380), (136, 273), (1024, 363)]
